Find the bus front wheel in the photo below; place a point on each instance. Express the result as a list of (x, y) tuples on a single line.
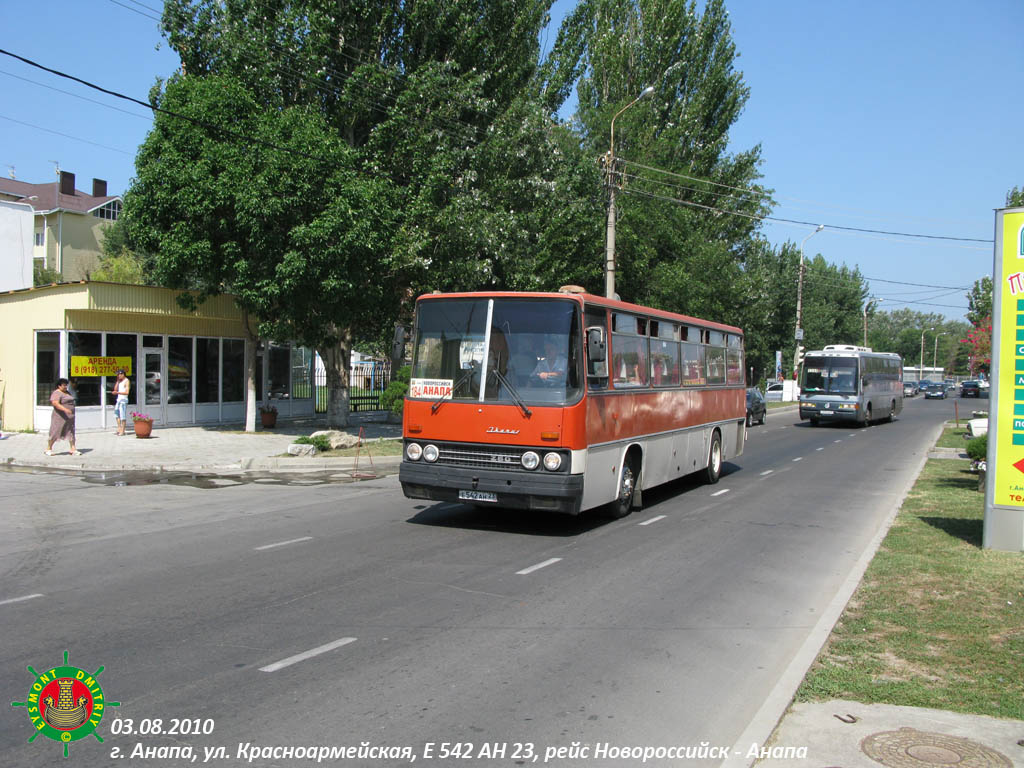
[(867, 415), (623, 503), (714, 470)]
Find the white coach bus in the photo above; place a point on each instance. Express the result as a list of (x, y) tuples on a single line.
[(843, 382)]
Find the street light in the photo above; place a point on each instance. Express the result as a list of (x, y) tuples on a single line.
[(935, 352), (609, 267), (800, 301), (920, 366)]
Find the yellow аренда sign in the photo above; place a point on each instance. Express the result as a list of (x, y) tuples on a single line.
[(83, 365)]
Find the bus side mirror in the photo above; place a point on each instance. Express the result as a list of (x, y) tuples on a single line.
[(595, 345)]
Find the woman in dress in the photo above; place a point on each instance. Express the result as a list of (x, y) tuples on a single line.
[(62, 420)]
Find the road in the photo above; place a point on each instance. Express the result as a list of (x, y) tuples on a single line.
[(301, 615)]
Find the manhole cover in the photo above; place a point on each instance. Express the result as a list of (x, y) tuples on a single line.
[(910, 748)]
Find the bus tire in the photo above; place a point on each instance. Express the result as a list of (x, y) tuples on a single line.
[(867, 415), (714, 468), (892, 412), (623, 504)]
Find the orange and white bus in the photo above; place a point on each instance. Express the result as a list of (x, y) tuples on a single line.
[(565, 401)]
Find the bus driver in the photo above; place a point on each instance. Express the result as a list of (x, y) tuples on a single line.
[(553, 365)]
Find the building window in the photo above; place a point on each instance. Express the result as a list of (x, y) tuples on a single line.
[(207, 370), (110, 211), (278, 371), (233, 370), (40, 238), (179, 369), (123, 345), (47, 365), (86, 389)]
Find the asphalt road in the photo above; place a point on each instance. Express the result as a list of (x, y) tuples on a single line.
[(300, 616)]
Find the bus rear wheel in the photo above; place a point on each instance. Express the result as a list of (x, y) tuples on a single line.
[(714, 468)]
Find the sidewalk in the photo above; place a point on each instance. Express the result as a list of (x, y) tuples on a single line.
[(210, 449)]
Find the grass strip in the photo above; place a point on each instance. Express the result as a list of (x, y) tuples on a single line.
[(937, 621)]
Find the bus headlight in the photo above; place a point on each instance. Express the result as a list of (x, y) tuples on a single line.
[(552, 461), (413, 451), (430, 453), (530, 460)]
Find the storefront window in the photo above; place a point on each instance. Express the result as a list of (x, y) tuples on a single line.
[(233, 370), (279, 371), (302, 369), (179, 369), (123, 345), (85, 389), (207, 368), (47, 365)]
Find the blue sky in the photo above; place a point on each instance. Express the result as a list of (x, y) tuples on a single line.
[(893, 116)]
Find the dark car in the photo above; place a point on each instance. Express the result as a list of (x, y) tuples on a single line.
[(970, 389), (756, 408), (934, 391)]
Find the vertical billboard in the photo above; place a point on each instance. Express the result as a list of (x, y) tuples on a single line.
[(1004, 492)]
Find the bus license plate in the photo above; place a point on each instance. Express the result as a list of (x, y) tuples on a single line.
[(477, 496)]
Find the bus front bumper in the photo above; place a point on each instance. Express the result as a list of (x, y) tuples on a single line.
[(551, 492), (829, 412)]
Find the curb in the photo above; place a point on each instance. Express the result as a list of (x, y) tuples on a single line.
[(387, 464)]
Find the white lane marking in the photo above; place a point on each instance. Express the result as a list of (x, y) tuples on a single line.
[(538, 566), (652, 520), (767, 472), (21, 599), (837, 441), (719, 493), (283, 543), (307, 655), (799, 458), (819, 449)]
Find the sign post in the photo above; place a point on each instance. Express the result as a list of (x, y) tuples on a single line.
[(1004, 486)]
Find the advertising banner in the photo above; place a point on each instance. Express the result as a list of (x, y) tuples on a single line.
[(99, 366), (1004, 498)]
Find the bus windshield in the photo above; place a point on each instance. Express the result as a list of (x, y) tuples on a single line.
[(830, 375), (531, 346)]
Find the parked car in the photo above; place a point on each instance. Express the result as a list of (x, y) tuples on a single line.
[(774, 393), (935, 391), (756, 408), (970, 389)]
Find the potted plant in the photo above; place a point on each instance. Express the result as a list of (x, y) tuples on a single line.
[(268, 415), (143, 424)]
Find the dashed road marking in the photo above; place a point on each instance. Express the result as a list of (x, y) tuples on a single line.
[(283, 543), (21, 599), (799, 458), (307, 654), (767, 472), (652, 520), (538, 566), (719, 493)]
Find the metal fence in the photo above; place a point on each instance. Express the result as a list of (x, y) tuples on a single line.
[(367, 382)]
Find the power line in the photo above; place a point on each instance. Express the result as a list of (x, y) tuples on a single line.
[(65, 135), (805, 223), (201, 123)]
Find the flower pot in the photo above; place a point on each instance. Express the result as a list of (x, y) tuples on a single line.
[(268, 419), (143, 428)]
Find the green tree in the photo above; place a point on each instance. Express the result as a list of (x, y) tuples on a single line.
[(431, 100), (1015, 198), (669, 227), (263, 205), (979, 301)]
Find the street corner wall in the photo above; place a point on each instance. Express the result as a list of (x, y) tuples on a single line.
[(16, 368), (16, 228)]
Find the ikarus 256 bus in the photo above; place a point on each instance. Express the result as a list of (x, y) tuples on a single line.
[(843, 382)]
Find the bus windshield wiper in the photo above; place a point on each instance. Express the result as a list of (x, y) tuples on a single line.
[(458, 383), (516, 397)]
